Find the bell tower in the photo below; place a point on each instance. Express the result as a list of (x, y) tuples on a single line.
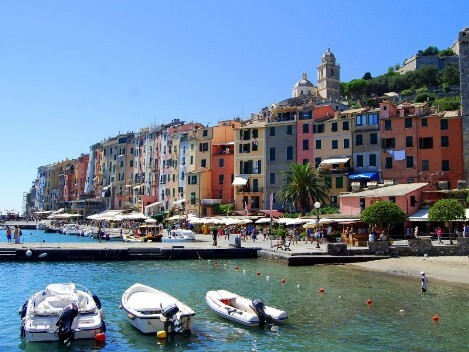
[(329, 77)]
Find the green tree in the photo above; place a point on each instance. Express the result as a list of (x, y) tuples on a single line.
[(449, 74), (431, 50), (447, 210), (383, 213), (367, 76), (446, 52), (303, 184), (448, 104), (225, 209)]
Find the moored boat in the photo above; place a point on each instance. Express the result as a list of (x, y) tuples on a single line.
[(179, 235), (62, 313), (150, 310), (243, 310)]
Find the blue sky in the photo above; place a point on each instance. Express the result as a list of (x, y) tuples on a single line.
[(73, 73)]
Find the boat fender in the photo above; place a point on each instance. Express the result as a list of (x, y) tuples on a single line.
[(97, 301), (161, 334), (103, 326), (23, 309), (101, 314), (23, 332)]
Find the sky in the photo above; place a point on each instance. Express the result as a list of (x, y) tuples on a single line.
[(73, 73)]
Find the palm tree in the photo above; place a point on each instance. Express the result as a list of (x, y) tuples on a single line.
[(303, 184)]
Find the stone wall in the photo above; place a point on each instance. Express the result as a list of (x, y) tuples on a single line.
[(463, 40)]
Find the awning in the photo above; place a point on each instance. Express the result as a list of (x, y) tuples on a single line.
[(137, 187), (334, 161), (152, 205), (210, 201), (420, 215), (240, 180), (364, 175)]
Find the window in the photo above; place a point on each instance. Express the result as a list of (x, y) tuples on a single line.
[(203, 147), (424, 122), (358, 139), (409, 141), (221, 162), (444, 165), (289, 130), (244, 148), (372, 160), (334, 127), (359, 160), (360, 120), (192, 179), (387, 125), (426, 143), (388, 143), (272, 131), (388, 163), (131, 163), (408, 122), (443, 124), (392, 199), (409, 161), (425, 165), (346, 143), (306, 128), (192, 160), (444, 141), (221, 179), (335, 144), (289, 153), (328, 182), (339, 182), (317, 161), (272, 154), (192, 198), (203, 163), (205, 133), (373, 138), (319, 128), (345, 125), (318, 144), (305, 161), (413, 201), (255, 133), (272, 178), (305, 144), (373, 119)]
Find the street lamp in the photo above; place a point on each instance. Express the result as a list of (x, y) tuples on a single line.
[(317, 205)]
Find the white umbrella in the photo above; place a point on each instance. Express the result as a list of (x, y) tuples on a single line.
[(176, 217), (264, 221), (150, 221)]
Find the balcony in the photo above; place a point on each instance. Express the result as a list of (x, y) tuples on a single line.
[(249, 190), (336, 170)]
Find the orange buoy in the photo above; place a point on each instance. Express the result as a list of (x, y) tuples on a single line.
[(436, 318), (258, 273), (369, 302), (321, 290), (100, 337), (283, 281), (236, 267)]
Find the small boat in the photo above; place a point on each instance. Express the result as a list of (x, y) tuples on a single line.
[(131, 238), (179, 235), (243, 310), (150, 310), (62, 313)]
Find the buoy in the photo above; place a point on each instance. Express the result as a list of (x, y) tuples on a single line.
[(369, 302), (258, 273), (340, 296), (100, 337), (401, 311), (321, 290), (436, 318), (29, 253), (425, 255), (298, 286), (161, 334), (236, 267), (224, 265), (267, 277), (283, 281)]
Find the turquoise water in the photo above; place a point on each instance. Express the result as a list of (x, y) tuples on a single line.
[(337, 320), (38, 236)]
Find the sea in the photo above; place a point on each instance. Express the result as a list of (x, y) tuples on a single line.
[(357, 311)]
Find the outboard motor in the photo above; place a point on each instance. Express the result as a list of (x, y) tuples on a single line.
[(259, 308), (65, 331), (172, 324)]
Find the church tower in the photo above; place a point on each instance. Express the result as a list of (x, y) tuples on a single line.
[(329, 77)]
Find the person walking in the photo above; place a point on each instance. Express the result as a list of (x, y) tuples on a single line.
[(424, 282), (439, 233), (8, 234)]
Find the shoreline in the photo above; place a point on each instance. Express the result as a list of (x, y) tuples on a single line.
[(452, 269)]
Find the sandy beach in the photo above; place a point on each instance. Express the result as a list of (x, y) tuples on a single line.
[(450, 269)]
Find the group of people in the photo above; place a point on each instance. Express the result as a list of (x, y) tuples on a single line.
[(16, 234), (377, 235)]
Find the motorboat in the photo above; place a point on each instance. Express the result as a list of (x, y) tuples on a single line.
[(179, 235), (73, 230), (131, 238), (62, 312), (150, 310), (42, 225), (243, 310)]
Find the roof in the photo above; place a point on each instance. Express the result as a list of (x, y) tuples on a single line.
[(387, 191)]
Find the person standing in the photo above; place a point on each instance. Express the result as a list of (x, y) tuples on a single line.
[(16, 234), (8, 234), (439, 233), (214, 236), (424, 282)]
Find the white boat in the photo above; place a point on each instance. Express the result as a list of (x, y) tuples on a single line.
[(42, 225), (131, 238), (62, 313), (73, 230), (179, 235), (243, 310), (151, 310)]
